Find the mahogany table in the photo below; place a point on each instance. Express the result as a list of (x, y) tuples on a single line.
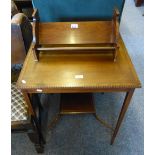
[(80, 73)]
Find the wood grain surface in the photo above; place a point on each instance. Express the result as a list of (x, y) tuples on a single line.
[(56, 73), (57, 33)]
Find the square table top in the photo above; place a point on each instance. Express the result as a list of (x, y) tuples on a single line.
[(64, 73)]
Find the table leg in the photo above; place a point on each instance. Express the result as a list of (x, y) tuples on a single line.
[(36, 120), (122, 113)]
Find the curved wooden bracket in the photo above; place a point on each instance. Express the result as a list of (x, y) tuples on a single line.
[(35, 32), (116, 30)]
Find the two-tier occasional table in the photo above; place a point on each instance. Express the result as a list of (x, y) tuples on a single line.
[(77, 76)]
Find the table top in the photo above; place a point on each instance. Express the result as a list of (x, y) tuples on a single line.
[(58, 73), (61, 33)]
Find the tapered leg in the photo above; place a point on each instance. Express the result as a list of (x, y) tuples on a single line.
[(122, 113), (39, 148), (35, 135), (36, 140)]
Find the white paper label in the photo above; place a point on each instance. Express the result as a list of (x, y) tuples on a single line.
[(74, 26), (78, 76), (23, 81), (39, 90)]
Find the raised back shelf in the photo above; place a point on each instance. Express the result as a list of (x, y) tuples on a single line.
[(87, 33), (86, 36)]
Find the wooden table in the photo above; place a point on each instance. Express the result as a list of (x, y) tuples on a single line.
[(80, 73)]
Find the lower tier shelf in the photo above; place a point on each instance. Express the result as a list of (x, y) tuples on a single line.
[(77, 103)]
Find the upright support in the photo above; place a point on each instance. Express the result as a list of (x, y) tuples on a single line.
[(115, 52), (116, 31), (35, 138), (122, 113), (35, 33), (34, 117)]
